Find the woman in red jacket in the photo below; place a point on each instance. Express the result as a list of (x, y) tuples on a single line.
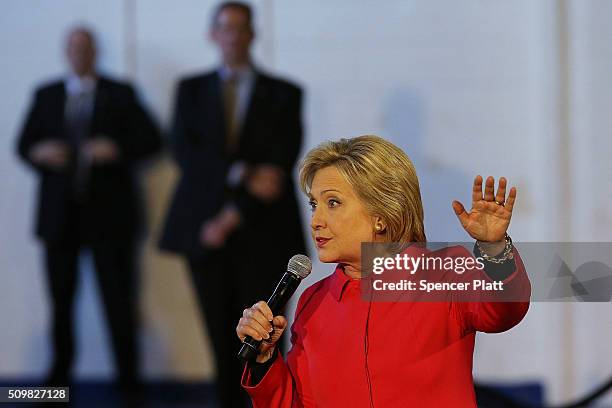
[(350, 351)]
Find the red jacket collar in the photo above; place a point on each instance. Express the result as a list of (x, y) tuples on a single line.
[(339, 280)]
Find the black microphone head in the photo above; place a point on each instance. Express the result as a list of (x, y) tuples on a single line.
[(300, 265)]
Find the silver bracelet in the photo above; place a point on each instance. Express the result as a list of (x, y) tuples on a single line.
[(503, 257)]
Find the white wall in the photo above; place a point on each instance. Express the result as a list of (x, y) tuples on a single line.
[(590, 86), (470, 87)]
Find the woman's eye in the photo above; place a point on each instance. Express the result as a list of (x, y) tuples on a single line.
[(333, 203), (312, 205)]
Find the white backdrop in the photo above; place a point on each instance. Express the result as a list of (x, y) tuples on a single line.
[(520, 89)]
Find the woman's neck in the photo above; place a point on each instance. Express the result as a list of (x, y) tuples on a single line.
[(352, 271)]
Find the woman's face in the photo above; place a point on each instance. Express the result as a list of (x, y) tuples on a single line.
[(339, 221)]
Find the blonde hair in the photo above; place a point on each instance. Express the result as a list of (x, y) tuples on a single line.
[(382, 176)]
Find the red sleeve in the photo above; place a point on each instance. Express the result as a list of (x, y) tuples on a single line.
[(275, 389), (491, 316)]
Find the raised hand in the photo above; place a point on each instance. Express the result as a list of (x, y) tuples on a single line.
[(490, 215)]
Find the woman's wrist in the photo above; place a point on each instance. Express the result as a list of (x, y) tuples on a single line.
[(491, 248), (496, 252), (259, 369), (265, 356)]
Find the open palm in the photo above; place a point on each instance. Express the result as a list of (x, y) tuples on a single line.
[(490, 215)]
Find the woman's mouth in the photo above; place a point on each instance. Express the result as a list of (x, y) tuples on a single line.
[(321, 241)]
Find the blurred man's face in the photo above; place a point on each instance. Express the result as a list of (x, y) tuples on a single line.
[(233, 35), (81, 52)]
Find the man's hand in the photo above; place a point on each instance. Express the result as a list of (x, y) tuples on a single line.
[(266, 182), (214, 232), (101, 150), (50, 153)]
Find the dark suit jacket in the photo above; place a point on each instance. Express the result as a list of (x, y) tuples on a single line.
[(271, 133), (111, 208)]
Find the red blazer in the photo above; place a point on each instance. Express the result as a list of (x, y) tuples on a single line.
[(349, 352)]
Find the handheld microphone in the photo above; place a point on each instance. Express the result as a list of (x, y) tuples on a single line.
[(298, 268)]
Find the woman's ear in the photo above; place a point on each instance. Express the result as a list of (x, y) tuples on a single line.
[(379, 226)]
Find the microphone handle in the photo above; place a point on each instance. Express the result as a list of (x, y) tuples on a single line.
[(284, 290)]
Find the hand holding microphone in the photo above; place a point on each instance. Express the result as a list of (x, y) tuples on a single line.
[(259, 323), (259, 329)]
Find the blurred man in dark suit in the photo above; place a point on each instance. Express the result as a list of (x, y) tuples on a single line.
[(83, 134), (237, 133)]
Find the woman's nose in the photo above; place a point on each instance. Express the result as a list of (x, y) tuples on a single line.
[(317, 221)]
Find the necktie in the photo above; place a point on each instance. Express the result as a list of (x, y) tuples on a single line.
[(230, 98), (78, 111)]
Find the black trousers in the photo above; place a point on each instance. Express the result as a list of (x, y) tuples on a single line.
[(116, 277), (227, 282)]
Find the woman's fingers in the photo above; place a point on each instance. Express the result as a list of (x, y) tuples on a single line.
[(247, 328), (251, 327), (460, 212), (477, 189), (500, 197), (259, 318), (264, 309), (489, 189), (254, 328), (279, 322), (511, 198), (255, 322)]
